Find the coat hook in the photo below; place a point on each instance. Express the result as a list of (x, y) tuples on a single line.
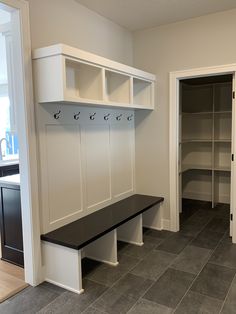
[(106, 117), (118, 118), (129, 118), (92, 116), (57, 115), (76, 116)]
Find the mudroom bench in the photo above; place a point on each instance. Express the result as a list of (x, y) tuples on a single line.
[(95, 236)]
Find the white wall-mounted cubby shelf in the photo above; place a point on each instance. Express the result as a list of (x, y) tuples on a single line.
[(69, 75)]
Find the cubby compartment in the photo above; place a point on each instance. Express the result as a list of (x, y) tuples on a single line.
[(83, 80), (142, 93), (117, 87)]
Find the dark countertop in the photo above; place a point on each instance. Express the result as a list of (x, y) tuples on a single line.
[(91, 227)]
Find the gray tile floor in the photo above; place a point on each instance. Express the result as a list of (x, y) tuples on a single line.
[(192, 271)]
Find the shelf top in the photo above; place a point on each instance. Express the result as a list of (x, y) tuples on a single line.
[(207, 112), (204, 167), (206, 141), (72, 52)]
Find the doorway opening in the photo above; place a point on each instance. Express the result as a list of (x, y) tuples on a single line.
[(12, 257), (224, 121), (23, 114), (205, 153), (12, 277)]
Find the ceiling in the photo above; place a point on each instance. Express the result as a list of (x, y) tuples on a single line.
[(140, 14)]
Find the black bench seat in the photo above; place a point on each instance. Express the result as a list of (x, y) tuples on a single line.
[(85, 230)]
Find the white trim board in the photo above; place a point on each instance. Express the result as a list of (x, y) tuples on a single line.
[(174, 79), (27, 139)]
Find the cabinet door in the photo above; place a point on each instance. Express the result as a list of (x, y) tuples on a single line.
[(11, 226)]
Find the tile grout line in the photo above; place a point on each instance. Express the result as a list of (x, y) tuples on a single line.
[(44, 307), (141, 296), (221, 309), (110, 286), (162, 273), (213, 251), (169, 266), (129, 271)]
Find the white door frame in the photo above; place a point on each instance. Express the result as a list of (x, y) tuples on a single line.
[(27, 142), (174, 78)]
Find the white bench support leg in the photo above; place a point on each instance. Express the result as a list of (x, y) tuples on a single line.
[(131, 231), (62, 266), (103, 249), (152, 218)]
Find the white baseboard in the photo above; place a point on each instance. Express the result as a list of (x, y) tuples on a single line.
[(197, 196), (165, 224), (130, 242), (64, 286), (102, 261), (154, 228)]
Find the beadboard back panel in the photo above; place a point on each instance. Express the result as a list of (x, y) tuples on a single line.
[(86, 160)]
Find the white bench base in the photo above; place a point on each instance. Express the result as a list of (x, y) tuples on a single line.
[(152, 218), (103, 249), (62, 265), (132, 231)]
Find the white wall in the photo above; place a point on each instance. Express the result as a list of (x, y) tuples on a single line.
[(66, 21), (205, 41)]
